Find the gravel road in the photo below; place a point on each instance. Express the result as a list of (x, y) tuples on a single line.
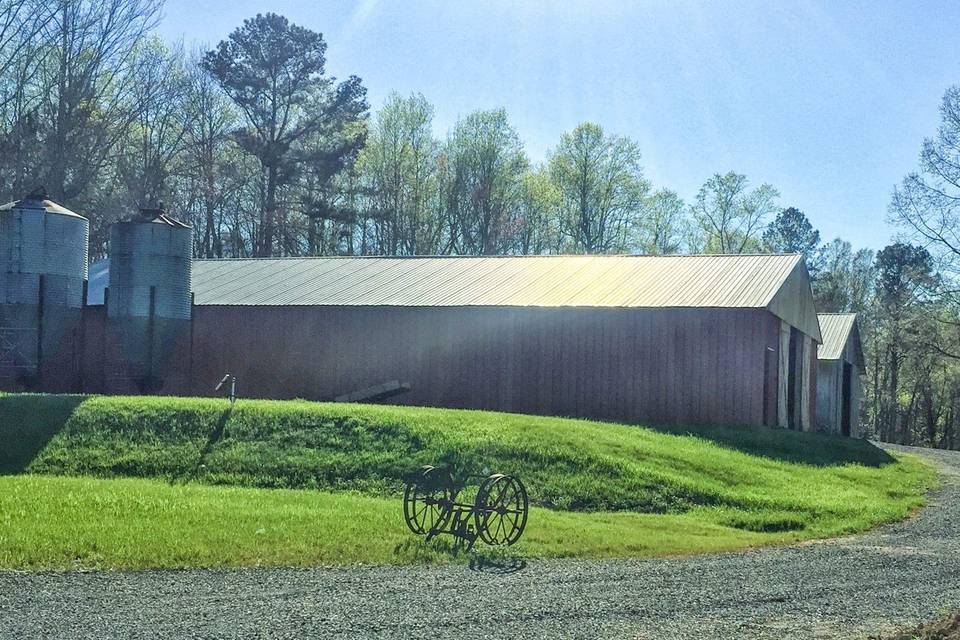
[(848, 588)]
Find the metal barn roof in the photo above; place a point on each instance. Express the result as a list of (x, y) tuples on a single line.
[(724, 281), (837, 329)]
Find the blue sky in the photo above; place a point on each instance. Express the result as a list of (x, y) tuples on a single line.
[(827, 101)]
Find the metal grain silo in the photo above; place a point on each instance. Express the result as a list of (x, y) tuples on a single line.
[(43, 268), (148, 299)]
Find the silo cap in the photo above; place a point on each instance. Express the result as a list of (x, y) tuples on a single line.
[(158, 216), (37, 199)]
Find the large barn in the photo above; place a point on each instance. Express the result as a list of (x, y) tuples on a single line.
[(670, 339)]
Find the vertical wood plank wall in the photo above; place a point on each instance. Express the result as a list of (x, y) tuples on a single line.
[(783, 372), (669, 365), (655, 365), (829, 380)]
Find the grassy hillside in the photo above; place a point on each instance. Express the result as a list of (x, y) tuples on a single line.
[(746, 486)]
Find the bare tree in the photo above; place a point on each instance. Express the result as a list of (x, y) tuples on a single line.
[(22, 23), (22, 52), (156, 136), (87, 82), (213, 167), (927, 202)]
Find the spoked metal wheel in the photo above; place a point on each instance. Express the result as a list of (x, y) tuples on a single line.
[(428, 500), (502, 506)]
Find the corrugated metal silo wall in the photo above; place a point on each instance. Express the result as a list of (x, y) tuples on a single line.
[(40, 254), (148, 256)]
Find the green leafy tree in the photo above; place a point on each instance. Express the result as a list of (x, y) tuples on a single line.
[(729, 215), (926, 205), (905, 280), (327, 159), (844, 278), (664, 224), (537, 225), (791, 232), (481, 169), (398, 166), (601, 189), (905, 275), (275, 73)]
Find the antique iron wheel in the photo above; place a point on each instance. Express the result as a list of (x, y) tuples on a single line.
[(501, 510), (428, 500)]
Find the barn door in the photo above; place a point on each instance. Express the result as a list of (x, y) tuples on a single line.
[(793, 414), (845, 399)]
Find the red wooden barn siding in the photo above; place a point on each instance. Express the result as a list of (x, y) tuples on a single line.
[(657, 365)]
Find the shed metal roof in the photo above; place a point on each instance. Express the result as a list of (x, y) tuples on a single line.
[(837, 329), (724, 281)]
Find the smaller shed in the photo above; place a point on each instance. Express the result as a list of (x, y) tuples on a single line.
[(840, 367)]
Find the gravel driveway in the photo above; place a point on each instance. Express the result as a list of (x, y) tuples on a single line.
[(894, 576)]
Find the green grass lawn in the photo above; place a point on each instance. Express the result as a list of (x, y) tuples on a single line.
[(169, 482), (51, 522)]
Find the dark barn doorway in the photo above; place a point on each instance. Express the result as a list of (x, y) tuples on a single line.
[(845, 399), (792, 375)]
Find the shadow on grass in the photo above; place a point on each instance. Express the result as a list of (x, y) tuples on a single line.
[(27, 426), (216, 434), (818, 449)]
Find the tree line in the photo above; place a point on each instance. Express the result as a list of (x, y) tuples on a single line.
[(266, 153)]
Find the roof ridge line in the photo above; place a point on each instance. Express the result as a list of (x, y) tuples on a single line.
[(525, 256)]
